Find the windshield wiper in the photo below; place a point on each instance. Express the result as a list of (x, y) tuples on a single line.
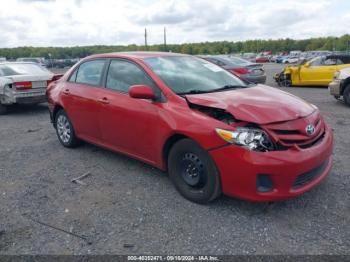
[(194, 91), (227, 87), (198, 91)]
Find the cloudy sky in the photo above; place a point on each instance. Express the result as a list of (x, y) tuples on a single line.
[(117, 22)]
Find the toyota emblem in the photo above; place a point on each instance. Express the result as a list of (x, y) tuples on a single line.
[(310, 129)]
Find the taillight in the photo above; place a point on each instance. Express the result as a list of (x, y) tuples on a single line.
[(241, 71), (23, 85)]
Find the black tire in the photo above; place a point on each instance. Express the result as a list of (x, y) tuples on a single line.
[(3, 109), (193, 172), (346, 95), (68, 137), (284, 80)]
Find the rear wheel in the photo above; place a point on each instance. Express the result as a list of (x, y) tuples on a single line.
[(346, 95), (3, 109), (193, 172), (65, 131)]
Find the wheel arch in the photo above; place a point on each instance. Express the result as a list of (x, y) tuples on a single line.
[(57, 108), (169, 143)]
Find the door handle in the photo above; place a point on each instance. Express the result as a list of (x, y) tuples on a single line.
[(66, 91), (103, 100)]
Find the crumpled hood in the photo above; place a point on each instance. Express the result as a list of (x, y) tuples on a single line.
[(259, 104)]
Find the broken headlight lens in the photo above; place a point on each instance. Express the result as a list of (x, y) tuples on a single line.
[(250, 138)]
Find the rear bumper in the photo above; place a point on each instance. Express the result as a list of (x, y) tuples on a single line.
[(239, 169), (335, 87), (261, 79), (27, 97)]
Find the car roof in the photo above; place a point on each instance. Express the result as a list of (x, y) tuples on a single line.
[(17, 62), (137, 55)]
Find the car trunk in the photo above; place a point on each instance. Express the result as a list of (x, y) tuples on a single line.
[(255, 69), (30, 82)]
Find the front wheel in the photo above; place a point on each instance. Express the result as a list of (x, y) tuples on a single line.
[(65, 131), (193, 172)]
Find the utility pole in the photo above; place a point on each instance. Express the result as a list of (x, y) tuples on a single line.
[(164, 38), (146, 38)]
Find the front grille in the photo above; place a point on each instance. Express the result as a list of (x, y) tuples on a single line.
[(293, 133), (307, 177)]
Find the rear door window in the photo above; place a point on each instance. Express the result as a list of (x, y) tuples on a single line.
[(90, 72)]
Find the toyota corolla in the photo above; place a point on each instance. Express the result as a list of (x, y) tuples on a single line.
[(209, 130)]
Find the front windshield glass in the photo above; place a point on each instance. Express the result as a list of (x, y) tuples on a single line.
[(22, 69), (186, 74)]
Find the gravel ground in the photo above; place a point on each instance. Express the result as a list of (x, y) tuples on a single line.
[(127, 207)]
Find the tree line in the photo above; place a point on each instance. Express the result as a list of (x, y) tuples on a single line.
[(219, 47)]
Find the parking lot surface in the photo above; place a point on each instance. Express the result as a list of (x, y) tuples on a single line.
[(127, 207)]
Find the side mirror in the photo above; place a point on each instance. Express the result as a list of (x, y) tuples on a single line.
[(141, 92)]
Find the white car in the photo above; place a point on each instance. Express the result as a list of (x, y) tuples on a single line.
[(23, 83), (291, 60), (340, 86)]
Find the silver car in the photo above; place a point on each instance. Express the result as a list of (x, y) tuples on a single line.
[(23, 83), (251, 72)]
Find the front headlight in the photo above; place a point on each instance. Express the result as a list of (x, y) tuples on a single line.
[(250, 138), (336, 74)]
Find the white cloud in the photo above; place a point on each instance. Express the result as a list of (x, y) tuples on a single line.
[(89, 22)]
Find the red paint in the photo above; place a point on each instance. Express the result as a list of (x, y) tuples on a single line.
[(260, 104), (142, 92), (262, 60), (141, 127)]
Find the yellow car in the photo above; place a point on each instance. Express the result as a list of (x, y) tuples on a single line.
[(319, 71)]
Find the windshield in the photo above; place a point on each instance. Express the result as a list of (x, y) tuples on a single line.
[(22, 69), (186, 74)]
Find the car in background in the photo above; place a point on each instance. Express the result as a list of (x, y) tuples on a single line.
[(340, 86), (38, 60), (3, 59), (262, 59), (249, 56), (210, 130), (318, 71), (251, 72), (23, 83), (279, 59), (290, 60)]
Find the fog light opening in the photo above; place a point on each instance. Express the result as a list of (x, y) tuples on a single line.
[(264, 183)]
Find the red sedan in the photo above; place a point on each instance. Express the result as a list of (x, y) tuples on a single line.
[(212, 132)]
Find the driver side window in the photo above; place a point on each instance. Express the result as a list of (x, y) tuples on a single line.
[(122, 74), (330, 61), (316, 62)]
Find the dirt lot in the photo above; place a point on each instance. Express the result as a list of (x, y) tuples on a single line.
[(127, 207)]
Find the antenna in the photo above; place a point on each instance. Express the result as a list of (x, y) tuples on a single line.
[(164, 38), (146, 38)]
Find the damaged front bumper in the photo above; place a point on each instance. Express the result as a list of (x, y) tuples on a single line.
[(291, 172), (335, 87)]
